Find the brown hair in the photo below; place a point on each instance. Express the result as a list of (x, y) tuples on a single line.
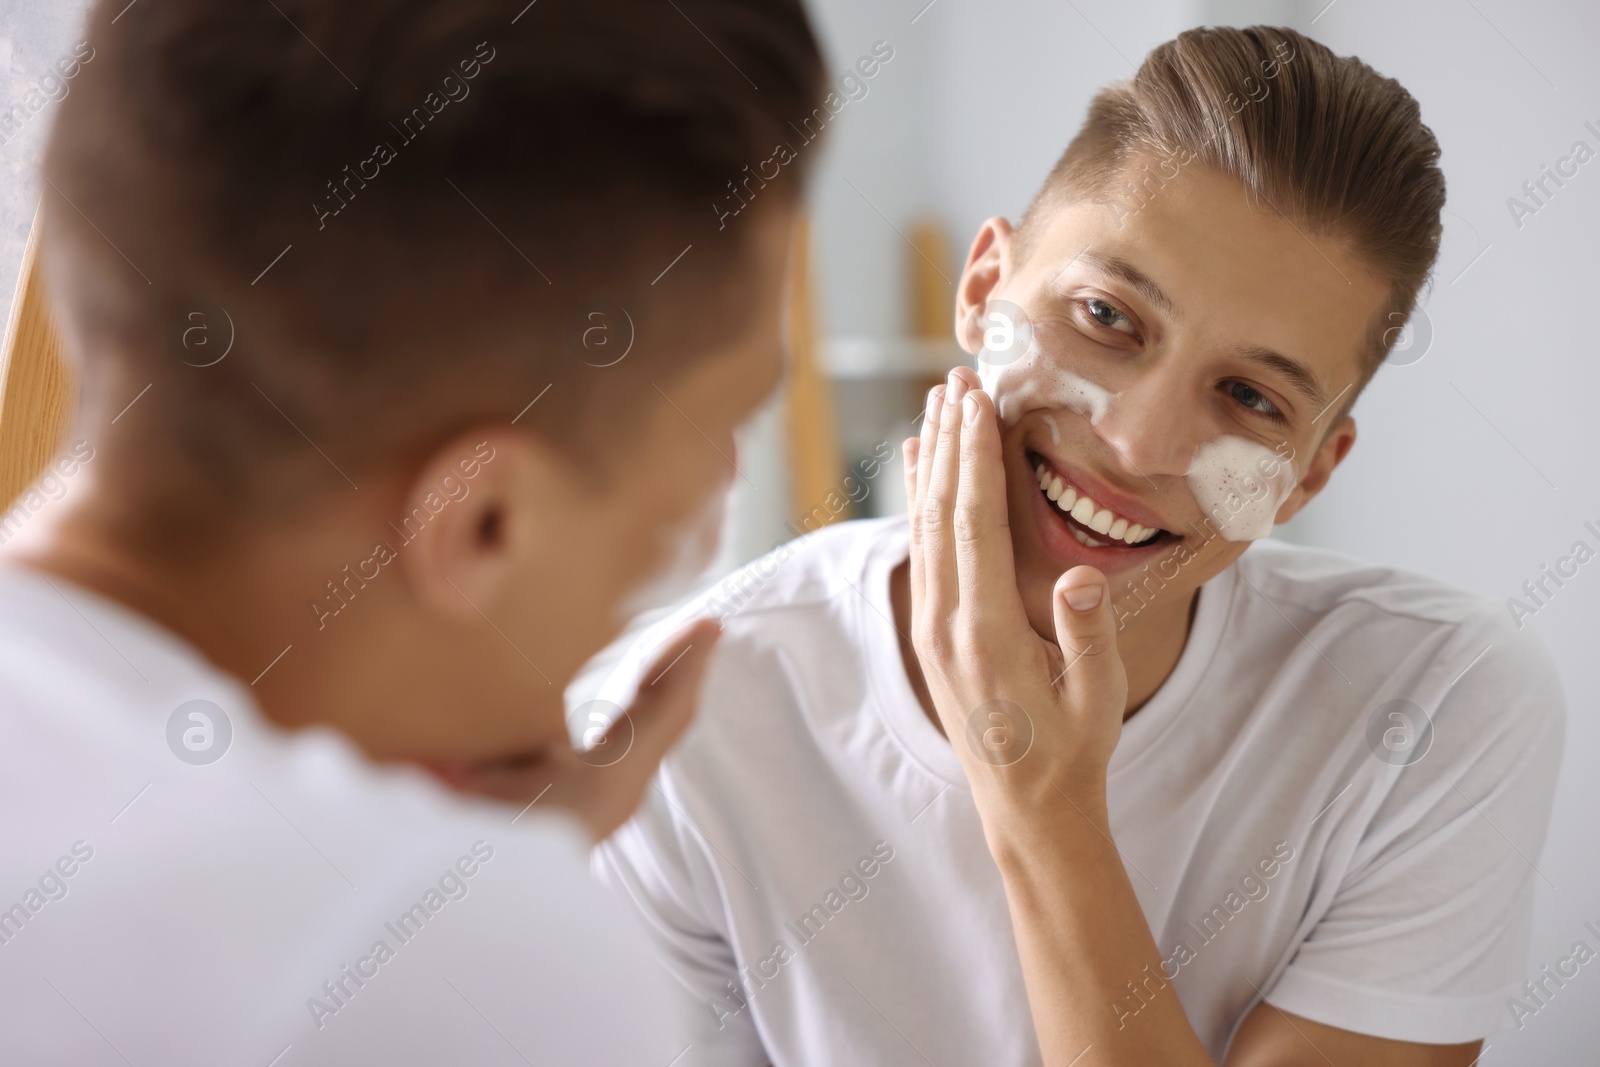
[(404, 213), (1323, 139)]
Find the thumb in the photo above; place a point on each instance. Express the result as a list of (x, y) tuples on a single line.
[(1086, 629), (621, 766), (669, 691)]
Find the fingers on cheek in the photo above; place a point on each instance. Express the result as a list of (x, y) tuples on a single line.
[(986, 423), (908, 465), (933, 641), (946, 648), (930, 418)]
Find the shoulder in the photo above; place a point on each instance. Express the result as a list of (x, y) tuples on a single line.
[(802, 596), (1326, 586), (1319, 580), (810, 570), (1464, 657)]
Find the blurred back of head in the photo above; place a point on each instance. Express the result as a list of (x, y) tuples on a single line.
[(397, 217)]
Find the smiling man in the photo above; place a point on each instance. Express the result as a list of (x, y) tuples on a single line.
[(1064, 769)]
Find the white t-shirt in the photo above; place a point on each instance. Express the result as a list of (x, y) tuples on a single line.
[(816, 875), (160, 909)]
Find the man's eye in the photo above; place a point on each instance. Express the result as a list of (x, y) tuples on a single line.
[(1252, 399), (1108, 316)]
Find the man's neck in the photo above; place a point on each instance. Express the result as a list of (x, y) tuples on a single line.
[(233, 611), (88, 563), (1149, 650)]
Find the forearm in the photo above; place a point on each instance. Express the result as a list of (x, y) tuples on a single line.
[(1093, 972)]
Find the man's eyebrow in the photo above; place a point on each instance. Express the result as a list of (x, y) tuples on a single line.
[(1121, 268), (1298, 375)]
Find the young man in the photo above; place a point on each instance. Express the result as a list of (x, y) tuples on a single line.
[(408, 357), (1060, 771)]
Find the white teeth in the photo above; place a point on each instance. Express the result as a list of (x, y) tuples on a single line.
[(1085, 539), (1087, 512)]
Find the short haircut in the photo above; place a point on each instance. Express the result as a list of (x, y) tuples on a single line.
[(1322, 139), (405, 215)]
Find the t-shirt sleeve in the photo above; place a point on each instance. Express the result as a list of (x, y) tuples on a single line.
[(1426, 937), (659, 868)]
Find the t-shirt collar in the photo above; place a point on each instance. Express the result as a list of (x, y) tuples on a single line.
[(902, 712)]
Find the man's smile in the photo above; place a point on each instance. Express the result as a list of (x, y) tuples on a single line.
[(1082, 520)]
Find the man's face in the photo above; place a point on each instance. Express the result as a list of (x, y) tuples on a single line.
[(1184, 367)]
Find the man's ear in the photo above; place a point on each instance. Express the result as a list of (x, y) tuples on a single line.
[(1337, 445), (482, 503), (988, 264)]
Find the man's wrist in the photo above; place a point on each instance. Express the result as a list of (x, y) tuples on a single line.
[(1026, 819)]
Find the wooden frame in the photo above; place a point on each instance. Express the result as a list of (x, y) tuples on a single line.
[(36, 387)]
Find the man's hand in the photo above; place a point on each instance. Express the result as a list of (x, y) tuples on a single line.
[(1026, 715), (603, 790)]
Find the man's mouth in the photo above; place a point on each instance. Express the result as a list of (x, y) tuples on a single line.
[(1093, 524)]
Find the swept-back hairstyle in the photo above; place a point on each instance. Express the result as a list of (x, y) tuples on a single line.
[(1323, 139)]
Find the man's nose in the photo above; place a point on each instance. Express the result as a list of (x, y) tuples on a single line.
[(1154, 424)]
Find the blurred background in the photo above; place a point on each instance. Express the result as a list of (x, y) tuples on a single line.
[(1477, 457)]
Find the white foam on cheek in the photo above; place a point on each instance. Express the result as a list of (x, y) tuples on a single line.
[(691, 548), (1240, 484), (1027, 383)]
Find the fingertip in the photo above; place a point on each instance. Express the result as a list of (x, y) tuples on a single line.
[(707, 631), (688, 649), (1083, 589), (978, 408), (968, 375)]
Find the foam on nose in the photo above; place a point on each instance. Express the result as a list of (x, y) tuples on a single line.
[(1240, 484)]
